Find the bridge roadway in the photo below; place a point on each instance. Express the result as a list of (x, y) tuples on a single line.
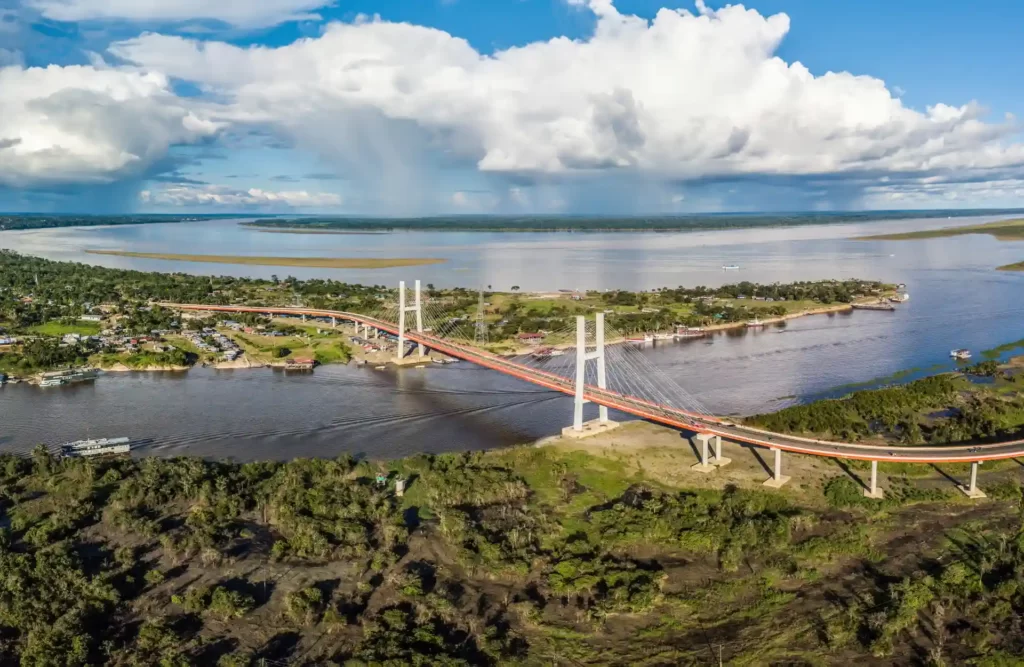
[(653, 412)]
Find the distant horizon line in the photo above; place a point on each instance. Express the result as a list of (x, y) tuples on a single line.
[(959, 212)]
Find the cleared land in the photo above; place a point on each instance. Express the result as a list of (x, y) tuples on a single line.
[(54, 328), (309, 262), (1004, 230)]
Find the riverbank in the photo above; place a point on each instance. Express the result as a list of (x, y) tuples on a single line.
[(306, 262), (1004, 230)]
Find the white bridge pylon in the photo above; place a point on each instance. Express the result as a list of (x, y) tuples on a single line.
[(580, 429), (416, 307)]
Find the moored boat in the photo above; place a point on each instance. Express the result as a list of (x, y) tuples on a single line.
[(960, 354), (755, 324), (60, 378)]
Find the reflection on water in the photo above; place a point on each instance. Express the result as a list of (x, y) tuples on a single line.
[(957, 300)]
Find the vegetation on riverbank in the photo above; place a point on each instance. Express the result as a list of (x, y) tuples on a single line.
[(304, 262), (9, 222), (934, 410), (527, 556)]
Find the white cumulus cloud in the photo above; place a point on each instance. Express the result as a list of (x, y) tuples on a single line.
[(686, 96), (84, 124), (241, 13), (219, 195)]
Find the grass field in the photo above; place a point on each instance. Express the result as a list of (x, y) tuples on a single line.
[(308, 262), (59, 329), (1004, 230)]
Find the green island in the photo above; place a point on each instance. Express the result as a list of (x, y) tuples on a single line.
[(62, 314), (1004, 230), (306, 262)]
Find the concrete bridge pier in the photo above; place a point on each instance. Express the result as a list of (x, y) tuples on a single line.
[(873, 491), (579, 428), (334, 322), (777, 480), (972, 490), (706, 466), (417, 308)]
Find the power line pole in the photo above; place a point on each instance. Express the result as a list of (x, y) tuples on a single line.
[(481, 324)]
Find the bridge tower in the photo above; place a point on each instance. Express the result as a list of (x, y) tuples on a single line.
[(416, 307), (579, 428)]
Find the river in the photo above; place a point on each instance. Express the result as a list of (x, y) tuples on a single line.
[(957, 300)]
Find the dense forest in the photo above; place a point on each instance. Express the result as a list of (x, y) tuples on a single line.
[(656, 223), (12, 222), (935, 410), (527, 556)]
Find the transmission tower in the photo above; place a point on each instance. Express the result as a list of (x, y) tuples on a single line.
[(481, 324)]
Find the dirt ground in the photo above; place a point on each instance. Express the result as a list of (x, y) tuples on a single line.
[(668, 456)]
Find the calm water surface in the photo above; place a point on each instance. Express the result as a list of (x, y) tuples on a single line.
[(957, 300)]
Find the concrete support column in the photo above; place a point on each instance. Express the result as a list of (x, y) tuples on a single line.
[(602, 380), (334, 323), (873, 491), (419, 317), (303, 317), (401, 321), (702, 440), (719, 460), (581, 372), (778, 479), (972, 491)]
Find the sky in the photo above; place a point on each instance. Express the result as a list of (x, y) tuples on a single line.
[(515, 107)]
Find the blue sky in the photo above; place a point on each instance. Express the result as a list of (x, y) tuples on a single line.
[(171, 106)]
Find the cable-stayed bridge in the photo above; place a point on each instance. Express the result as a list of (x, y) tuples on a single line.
[(596, 364)]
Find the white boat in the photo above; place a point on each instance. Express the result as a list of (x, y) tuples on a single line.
[(731, 267), (960, 354), (755, 324), (100, 447), (664, 336), (646, 338), (690, 332)]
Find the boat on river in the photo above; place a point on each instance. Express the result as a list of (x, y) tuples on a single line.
[(960, 355), (731, 267), (96, 447), (61, 378), (755, 324), (640, 340)]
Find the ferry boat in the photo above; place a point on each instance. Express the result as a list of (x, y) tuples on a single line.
[(900, 298), (99, 447), (664, 336), (690, 332), (755, 324), (731, 267), (60, 378), (960, 354), (444, 360), (646, 338)]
